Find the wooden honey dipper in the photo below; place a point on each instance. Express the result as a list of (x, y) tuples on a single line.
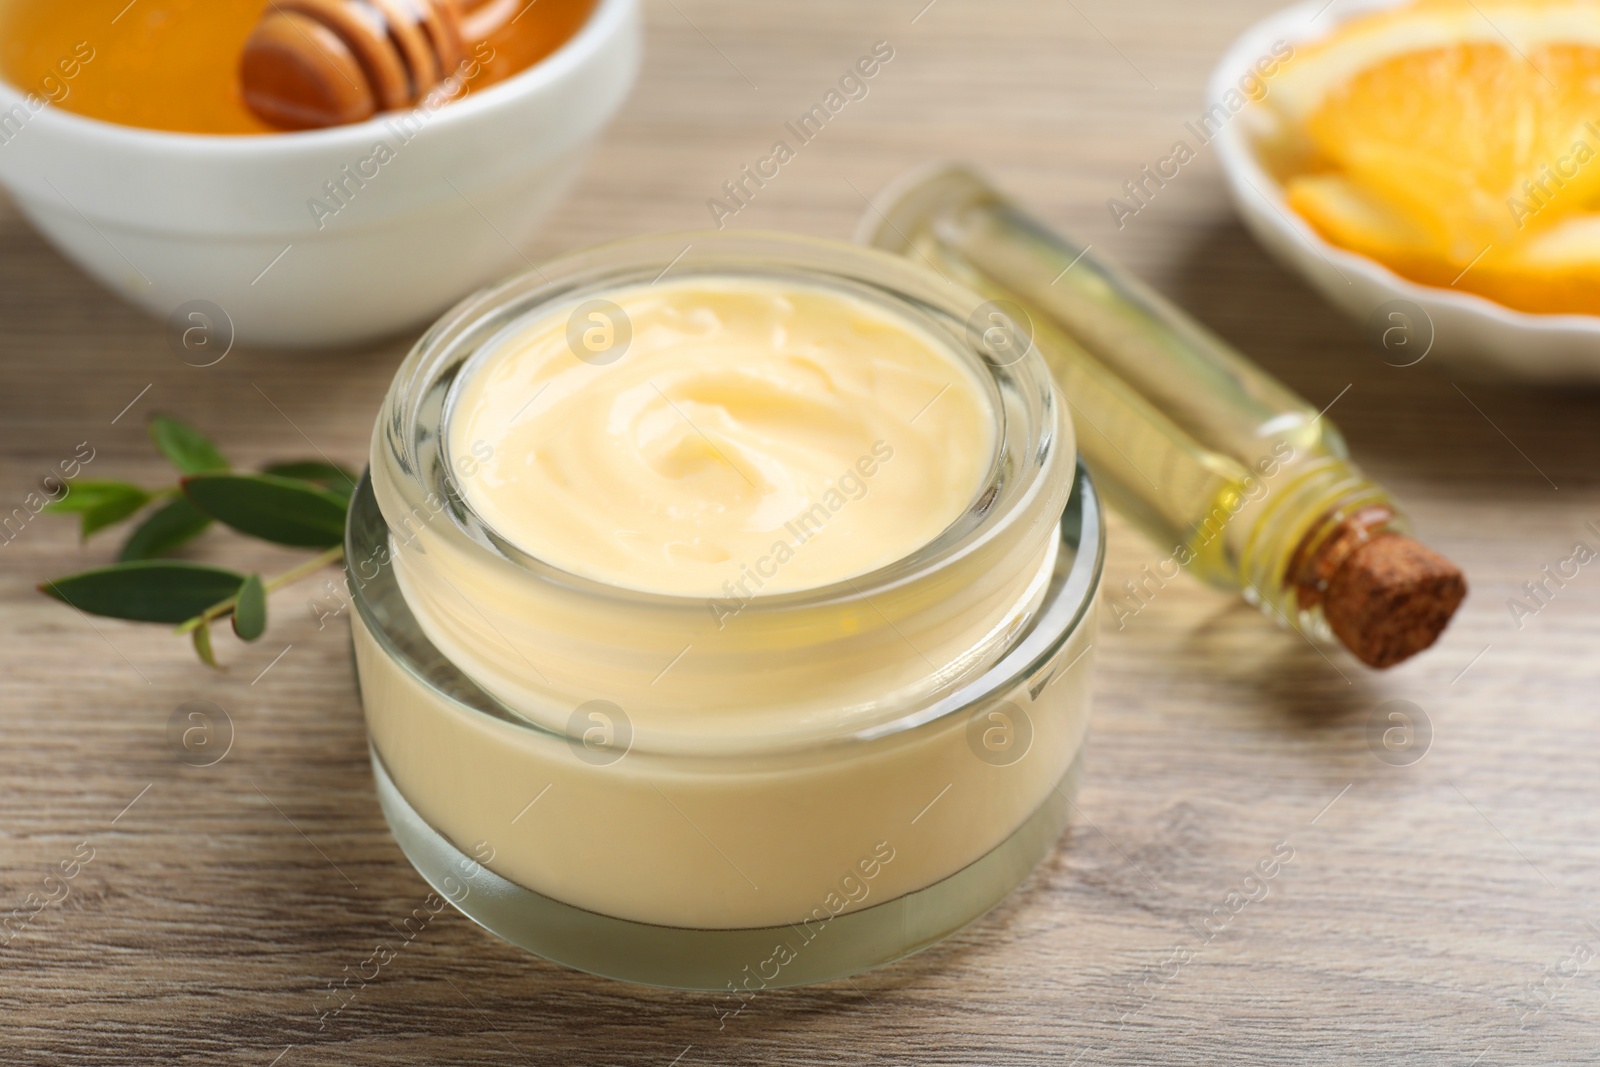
[(315, 63)]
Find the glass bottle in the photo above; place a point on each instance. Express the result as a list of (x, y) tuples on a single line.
[(1246, 484)]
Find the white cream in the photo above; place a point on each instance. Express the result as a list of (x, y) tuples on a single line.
[(753, 435)]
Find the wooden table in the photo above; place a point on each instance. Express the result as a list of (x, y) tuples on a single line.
[(1439, 912)]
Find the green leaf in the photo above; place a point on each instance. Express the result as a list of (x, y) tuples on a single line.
[(100, 503), (87, 495), (332, 477), (112, 511), (250, 613), (273, 508), (202, 645), (310, 470), (186, 447), (147, 590), (164, 530)]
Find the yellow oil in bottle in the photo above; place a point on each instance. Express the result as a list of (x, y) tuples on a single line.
[(1221, 465)]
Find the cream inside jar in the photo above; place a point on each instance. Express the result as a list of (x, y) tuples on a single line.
[(722, 437)]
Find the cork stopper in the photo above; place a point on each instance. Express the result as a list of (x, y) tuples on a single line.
[(1386, 596)]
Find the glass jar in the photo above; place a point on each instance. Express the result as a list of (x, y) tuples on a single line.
[(676, 791)]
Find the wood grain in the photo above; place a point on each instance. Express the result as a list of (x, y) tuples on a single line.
[(1439, 913)]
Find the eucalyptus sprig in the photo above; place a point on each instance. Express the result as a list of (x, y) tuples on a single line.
[(301, 504)]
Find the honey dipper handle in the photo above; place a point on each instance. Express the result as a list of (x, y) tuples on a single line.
[(315, 63)]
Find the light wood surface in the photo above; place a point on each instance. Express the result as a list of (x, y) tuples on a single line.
[(1438, 913)]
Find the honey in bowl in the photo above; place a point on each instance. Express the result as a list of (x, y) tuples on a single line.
[(174, 64)]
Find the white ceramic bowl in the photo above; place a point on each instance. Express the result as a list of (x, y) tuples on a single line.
[(167, 219), (1470, 331)]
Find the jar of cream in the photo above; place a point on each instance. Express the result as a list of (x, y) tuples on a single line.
[(724, 609)]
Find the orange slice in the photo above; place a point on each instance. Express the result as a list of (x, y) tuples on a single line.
[(1319, 67), (1472, 141), (1348, 215), (1554, 271), (1458, 143)]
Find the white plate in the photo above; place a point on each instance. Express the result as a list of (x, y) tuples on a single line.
[(1467, 330)]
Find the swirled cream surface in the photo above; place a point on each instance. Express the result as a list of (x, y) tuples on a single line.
[(721, 436)]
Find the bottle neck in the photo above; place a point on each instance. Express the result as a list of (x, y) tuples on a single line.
[(1305, 532)]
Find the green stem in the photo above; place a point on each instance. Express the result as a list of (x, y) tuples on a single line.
[(293, 574)]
